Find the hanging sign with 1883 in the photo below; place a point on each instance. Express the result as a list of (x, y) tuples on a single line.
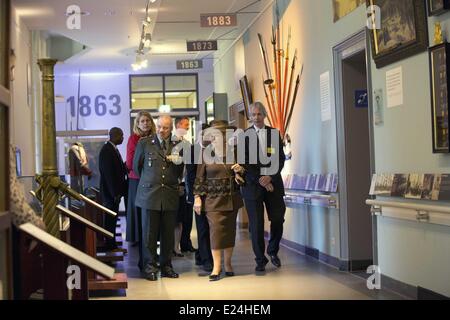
[(218, 20)]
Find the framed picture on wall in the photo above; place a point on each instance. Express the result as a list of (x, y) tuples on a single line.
[(246, 95), (342, 8), (437, 7), (18, 157), (440, 99), (403, 32)]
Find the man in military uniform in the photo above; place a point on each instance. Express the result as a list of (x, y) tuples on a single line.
[(157, 195)]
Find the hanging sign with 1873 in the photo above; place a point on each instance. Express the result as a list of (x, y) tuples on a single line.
[(100, 105), (201, 45)]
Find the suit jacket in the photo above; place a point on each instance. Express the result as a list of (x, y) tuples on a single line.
[(159, 179), (215, 184), (113, 173), (252, 190)]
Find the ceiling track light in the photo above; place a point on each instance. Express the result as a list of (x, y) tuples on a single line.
[(145, 41)]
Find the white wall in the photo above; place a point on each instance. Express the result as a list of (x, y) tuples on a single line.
[(313, 141), (95, 84), (228, 71), (92, 86), (417, 254), (22, 128)]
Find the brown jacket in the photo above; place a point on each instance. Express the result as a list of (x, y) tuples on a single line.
[(215, 183)]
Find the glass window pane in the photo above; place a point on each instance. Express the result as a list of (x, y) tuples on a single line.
[(146, 100), (181, 100), (181, 82), (148, 83)]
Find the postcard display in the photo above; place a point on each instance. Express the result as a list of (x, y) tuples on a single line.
[(297, 186), (412, 186)]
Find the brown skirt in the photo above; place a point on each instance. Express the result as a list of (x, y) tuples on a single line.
[(222, 228)]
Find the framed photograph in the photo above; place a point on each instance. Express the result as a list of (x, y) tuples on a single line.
[(341, 8), (246, 95), (437, 7), (403, 32), (439, 79), (18, 157)]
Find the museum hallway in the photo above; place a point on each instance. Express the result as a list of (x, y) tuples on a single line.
[(300, 278)]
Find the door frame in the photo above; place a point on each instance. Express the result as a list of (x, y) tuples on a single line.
[(352, 45)]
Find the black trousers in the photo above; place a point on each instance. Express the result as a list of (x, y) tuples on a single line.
[(275, 212), (203, 255), (111, 222), (161, 225), (185, 242)]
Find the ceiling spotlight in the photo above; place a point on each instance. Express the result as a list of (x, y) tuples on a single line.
[(135, 67)]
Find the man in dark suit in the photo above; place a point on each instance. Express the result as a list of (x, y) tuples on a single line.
[(113, 180), (158, 196), (264, 160)]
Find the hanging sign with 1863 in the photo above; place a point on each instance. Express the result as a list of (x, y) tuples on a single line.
[(100, 105), (189, 64), (201, 45)]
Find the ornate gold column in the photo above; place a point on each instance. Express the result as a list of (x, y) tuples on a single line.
[(49, 179)]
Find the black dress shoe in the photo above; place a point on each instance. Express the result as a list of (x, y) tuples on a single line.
[(176, 254), (169, 273), (261, 267), (151, 276), (229, 273), (214, 277), (275, 261)]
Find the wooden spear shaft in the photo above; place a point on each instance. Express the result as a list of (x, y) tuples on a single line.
[(286, 66), (294, 61), (277, 83), (279, 76), (269, 114), (288, 120), (269, 79)]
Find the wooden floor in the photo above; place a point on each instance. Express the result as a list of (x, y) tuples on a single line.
[(300, 277)]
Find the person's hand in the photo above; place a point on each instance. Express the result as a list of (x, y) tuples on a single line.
[(237, 168), (239, 180), (175, 158), (198, 205), (269, 187), (265, 180)]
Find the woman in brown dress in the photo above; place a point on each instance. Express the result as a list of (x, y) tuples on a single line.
[(217, 192)]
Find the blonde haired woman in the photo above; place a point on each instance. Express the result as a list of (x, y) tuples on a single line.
[(143, 127)]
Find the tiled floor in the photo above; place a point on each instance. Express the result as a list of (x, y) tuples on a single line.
[(300, 277)]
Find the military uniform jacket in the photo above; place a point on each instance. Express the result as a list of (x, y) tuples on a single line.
[(159, 178)]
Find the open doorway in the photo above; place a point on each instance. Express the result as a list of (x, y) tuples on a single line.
[(355, 162)]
